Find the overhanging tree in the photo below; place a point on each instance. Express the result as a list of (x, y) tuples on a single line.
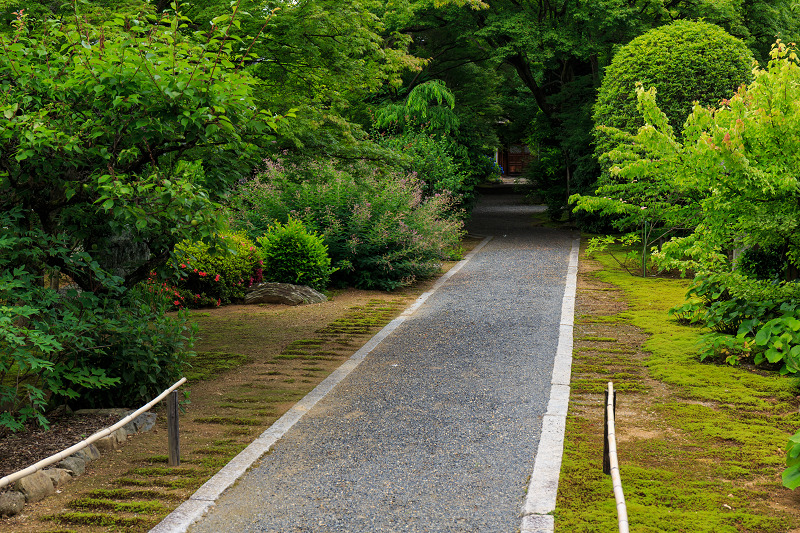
[(99, 125)]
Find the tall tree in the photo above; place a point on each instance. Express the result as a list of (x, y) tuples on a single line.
[(558, 50)]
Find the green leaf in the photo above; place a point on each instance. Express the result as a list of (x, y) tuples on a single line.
[(791, 477)]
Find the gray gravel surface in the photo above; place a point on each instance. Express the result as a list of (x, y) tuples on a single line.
[(437, 429)]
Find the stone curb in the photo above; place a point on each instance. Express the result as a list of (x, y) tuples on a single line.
[(540, 502), (44, 483)]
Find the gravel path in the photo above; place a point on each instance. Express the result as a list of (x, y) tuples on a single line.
[(437, 429)]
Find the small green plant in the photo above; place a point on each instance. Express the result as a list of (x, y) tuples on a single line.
[(781, 338), (293, 255), (630, 259), (727, 347), (791, 476)]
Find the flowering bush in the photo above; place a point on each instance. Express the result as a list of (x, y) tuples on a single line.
[(380, 232), (434, 162), (212, 277)]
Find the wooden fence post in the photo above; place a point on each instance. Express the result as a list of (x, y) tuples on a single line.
[(173, 440)]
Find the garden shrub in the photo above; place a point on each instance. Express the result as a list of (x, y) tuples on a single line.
[(685, 61), (146, 349), (763, 263), (292, 255), (435, 163), (381, 233), (215, 276), (110, 347)]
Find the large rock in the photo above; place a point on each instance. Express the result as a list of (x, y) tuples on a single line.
[(11, 503), (74, 465), (140, 424), (59, 476), (283, 293), (36, 486), (90, 453), (107, 444)]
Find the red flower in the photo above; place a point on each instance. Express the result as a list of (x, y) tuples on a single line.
[(216, 278), (176, 302), (202, 274)]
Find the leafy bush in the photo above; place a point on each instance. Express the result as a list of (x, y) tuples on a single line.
[(96, 148), (791, 476), (146, 349), (216, 276), (685, 61), (109, 347), (761, 330), (763, 263), (712, 303), (781, 339), (434, 161), (292, 255), (379, 230), (425, 132)]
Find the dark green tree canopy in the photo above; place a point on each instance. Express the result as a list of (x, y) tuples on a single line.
[(685, 61)]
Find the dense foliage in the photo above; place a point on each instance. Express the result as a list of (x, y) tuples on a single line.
[(292, 255), (379, 230), (727, 183), (730, 183), (114, 347), (214, 276), (99, 181), (685, 61)]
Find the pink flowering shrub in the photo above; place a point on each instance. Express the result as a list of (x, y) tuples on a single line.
[(210, 278), (380, 231)]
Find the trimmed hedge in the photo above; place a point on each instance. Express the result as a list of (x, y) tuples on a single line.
[(293, 255), (685, 61)]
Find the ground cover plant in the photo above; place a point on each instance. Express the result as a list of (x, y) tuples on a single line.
[(700, 445)]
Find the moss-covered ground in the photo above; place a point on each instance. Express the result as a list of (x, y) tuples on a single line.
[(700, 445)]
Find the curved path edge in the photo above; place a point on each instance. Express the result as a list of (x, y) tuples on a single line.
[(540, 502), (179, 520)]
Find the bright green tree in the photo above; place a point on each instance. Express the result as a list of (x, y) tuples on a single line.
[(557, 53), (97, 183)]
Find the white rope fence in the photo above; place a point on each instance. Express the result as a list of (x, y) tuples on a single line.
[(610, 463), (83, 444)]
